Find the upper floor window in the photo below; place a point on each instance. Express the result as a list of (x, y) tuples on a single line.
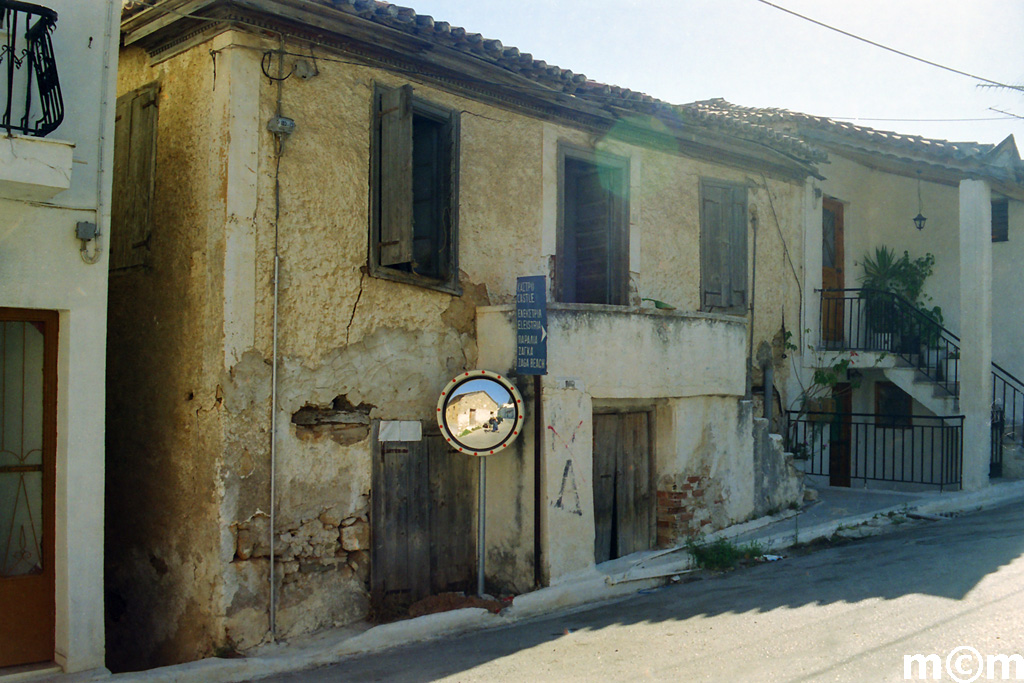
[(1001, 220), (414, 190), (723, 246), (593, 228)]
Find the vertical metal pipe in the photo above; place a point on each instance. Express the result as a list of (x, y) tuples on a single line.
[(538, 434), (279, 142), (481, 549)]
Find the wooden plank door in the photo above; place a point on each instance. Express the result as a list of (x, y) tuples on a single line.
[(833, 314), (28, 437), (840, 438), (623, 502), (423, 520), (606, 448)]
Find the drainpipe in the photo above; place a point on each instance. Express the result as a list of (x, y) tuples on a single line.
[(281, 128), (538, 435), (753, 292)]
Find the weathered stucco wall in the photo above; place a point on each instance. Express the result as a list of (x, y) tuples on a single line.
[(164, 445), (355, 344)]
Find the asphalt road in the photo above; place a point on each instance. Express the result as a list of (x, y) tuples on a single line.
[(844, 613)]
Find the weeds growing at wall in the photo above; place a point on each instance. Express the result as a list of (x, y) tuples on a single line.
[(721, 554)]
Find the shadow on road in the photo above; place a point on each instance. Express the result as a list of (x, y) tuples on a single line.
[(945, 559)]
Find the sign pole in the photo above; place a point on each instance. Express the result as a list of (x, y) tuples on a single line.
[(481, 550), (532, 359)]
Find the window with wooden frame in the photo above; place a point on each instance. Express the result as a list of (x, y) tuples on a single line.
[(893, 407), (592, 262), (414, 191), (133, 176), (1001, 220), (723, 246)]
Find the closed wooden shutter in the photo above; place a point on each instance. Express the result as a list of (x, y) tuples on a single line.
[(594, 242), (738, 247), (135, 131), (396, 192), (723, 246)]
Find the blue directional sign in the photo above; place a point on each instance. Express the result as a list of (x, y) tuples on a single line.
[(531, 325)]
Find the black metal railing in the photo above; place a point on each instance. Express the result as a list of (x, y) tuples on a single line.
[(1008, 398), (874, 320), (33, 103), (851, 447), (995, 461)]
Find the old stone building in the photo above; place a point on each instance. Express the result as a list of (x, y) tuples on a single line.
[(344, 195)]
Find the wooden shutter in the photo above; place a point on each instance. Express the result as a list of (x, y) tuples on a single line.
[(1000, 220), (396, 176), (135, 132), (713, 248), (738, 247), (723, 246), (594, 233)]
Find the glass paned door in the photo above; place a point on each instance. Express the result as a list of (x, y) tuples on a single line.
[(28, 408)]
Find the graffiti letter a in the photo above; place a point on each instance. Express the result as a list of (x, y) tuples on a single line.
[(569, 487)]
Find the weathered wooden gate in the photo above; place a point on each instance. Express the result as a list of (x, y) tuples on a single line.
[(423, 521), (624, 513)]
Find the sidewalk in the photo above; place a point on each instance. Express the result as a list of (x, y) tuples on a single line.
[(836, 509)]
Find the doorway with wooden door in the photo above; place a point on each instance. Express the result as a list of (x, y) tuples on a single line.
[(840, 436), (833, 280), (423, 518), (624, 512), (28, 438)]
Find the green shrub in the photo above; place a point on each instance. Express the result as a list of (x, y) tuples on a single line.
[(721, 554)]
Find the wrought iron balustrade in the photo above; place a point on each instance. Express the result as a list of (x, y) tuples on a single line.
[(908, 449), (1008, 399), (33, 103), (873, 320)]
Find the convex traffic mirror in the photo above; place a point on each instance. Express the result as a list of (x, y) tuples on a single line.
[(480, 412)]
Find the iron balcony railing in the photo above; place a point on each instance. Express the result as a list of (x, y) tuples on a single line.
[(851, 447), (873, 320), (33, 103)]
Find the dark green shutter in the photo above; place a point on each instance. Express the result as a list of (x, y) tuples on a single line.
[(396, 201), (135, 131), (723, 246)]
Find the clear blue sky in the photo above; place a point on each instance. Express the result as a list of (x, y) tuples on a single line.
[(755, 55), (493, 389)]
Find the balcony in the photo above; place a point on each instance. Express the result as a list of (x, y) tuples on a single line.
[(31, 168), (33, 102), (622, 352)]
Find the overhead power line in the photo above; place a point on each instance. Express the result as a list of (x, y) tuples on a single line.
[(894, 50)]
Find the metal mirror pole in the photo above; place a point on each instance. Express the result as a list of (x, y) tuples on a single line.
[(481, 525)]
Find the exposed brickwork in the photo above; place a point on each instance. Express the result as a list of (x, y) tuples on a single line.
[(684, 511)]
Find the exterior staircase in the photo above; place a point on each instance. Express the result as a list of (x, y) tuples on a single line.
[(921, 358)]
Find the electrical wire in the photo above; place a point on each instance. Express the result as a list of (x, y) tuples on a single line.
[(893, 50), (528, 88)]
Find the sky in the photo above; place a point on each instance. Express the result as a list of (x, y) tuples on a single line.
[(493, 389), (755, 55)]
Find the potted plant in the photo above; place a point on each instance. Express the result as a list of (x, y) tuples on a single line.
[(886, 280)]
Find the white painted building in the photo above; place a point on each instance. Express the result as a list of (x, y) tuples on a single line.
[(54, 188), (972, 196)]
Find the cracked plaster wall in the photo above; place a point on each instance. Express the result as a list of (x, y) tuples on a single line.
[(165, 413)]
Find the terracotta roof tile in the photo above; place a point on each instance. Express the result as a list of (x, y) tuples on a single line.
[(554, 78), (819, 128)]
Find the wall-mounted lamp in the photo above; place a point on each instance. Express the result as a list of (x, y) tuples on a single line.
[(919, 219)]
